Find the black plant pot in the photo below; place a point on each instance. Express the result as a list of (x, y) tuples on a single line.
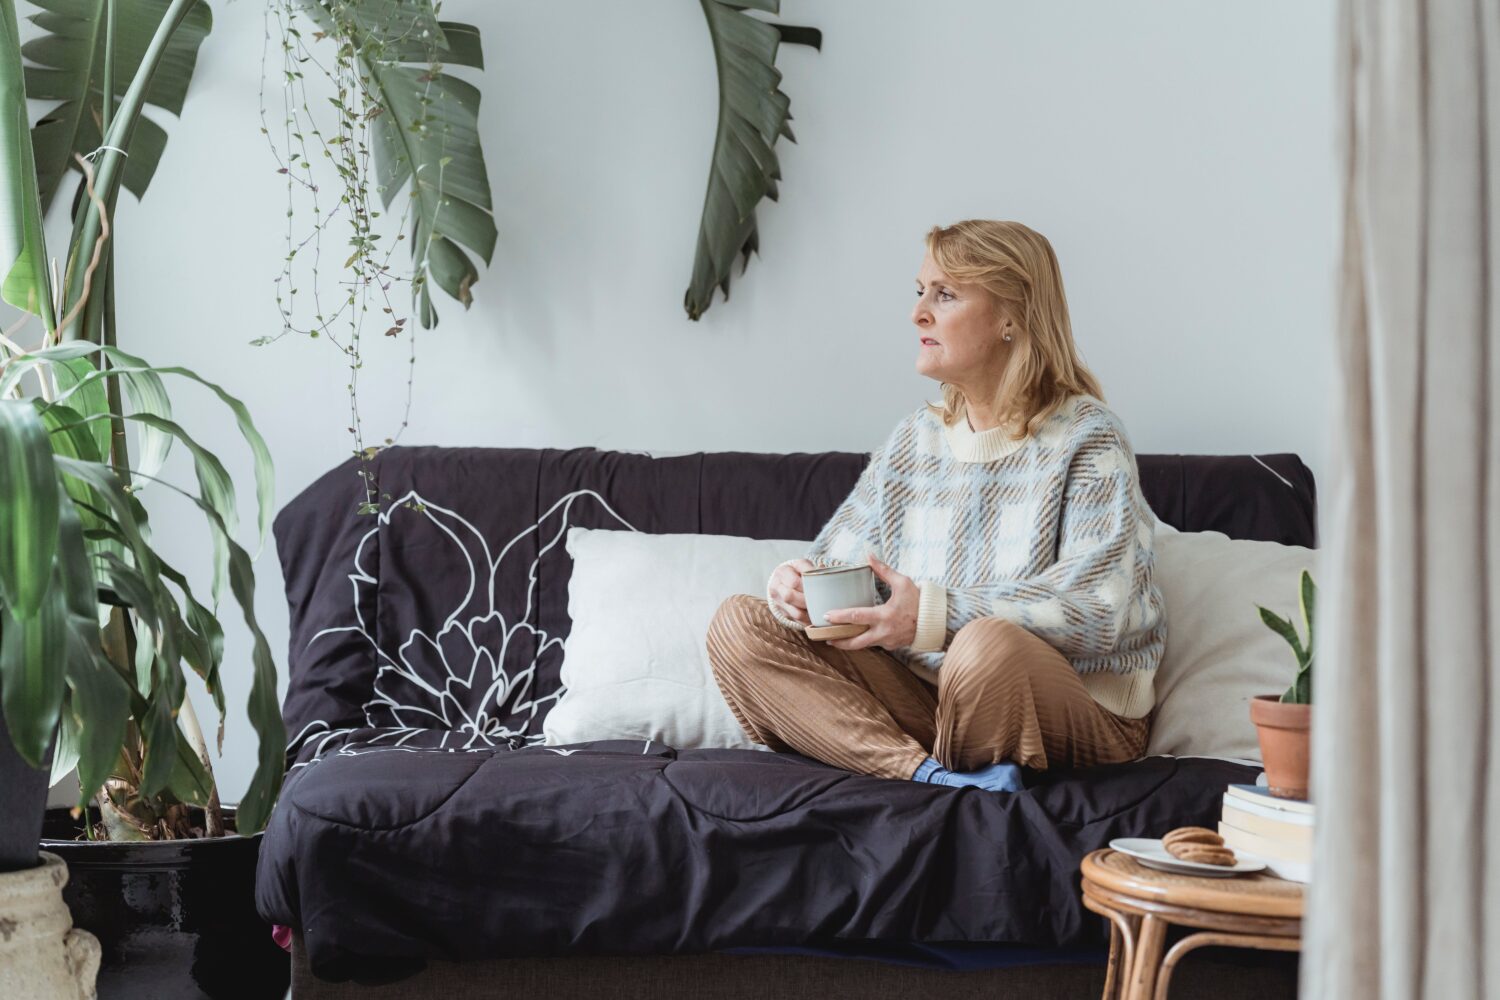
[(23, 798), (175, 918)]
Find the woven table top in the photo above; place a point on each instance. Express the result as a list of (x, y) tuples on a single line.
[(1259, 894)]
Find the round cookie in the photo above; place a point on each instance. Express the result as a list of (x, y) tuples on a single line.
[(1207, 854), (1192, 835)]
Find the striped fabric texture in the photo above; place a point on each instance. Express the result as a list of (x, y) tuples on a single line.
[(1051, 532), (1004, 695)]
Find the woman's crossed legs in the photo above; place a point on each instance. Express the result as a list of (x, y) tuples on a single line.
[(1003, 694)]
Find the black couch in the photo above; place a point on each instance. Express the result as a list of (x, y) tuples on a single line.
[(425, 837)]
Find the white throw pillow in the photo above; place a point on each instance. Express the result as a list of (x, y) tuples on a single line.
[(1219, 653), (635, 665)]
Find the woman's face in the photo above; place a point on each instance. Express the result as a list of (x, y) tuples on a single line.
[(959, 328)]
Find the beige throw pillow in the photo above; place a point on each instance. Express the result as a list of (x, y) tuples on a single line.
[(1219, 652)]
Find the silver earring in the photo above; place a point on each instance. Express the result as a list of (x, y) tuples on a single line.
[(1007, 336)]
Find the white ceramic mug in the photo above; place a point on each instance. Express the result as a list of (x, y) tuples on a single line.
[(831, 588)]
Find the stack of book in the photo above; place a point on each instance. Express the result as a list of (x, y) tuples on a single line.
[(1258, 826)]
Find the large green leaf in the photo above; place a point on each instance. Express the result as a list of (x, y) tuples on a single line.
[(131, 368), (24, 281), (92, 725), (31, 674), (264, 710), (752, 114), (67, 66), (88, 399), (28, 509), (426, 133)]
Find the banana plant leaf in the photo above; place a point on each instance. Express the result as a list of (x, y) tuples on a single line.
[(753, 113), (24, 281), (67, 66), (427, 132)]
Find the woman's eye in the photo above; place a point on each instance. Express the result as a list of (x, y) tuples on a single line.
[(945, 294)]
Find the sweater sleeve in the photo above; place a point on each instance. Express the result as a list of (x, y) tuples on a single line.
[(1097, 591), (852, 532)]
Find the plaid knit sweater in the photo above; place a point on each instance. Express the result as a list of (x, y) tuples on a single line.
[(1051, 532)]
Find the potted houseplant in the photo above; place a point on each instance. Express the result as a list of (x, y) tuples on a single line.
[(95, 627), (1283, 721)]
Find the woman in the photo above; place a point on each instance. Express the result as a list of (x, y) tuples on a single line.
[(1020, 623)]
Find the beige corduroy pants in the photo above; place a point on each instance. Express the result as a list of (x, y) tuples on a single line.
[(1003, 694)]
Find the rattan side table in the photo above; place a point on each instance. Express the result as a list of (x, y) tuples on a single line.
[(1247, 911)]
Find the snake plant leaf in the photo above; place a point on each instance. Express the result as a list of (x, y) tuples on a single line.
[(67, 67), (24, 281), (28, 509), (427, 133), (1284, 628), (1309, 595), (753, 113)]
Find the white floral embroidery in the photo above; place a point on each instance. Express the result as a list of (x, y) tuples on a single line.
[(451, 684)]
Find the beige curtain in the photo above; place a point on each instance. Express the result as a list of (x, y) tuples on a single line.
[(1405, 900)]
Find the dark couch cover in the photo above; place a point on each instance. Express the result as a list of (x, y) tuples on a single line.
[(422, 816)]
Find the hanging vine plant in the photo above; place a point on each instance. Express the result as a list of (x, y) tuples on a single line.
[(753, 113), (398, 124)]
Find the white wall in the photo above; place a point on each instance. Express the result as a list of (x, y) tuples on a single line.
[(1180, 156)]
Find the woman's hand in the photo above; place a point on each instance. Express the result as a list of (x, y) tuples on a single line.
[(892, 624), (786, 588)]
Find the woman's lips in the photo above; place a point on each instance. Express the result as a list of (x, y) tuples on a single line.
[(928, 342)]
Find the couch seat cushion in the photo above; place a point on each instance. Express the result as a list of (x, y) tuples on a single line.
[(384, 855)]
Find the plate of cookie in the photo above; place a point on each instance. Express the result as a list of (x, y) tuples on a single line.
[(1187, 850)]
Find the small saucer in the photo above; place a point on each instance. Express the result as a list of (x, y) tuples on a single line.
[(826, 632)]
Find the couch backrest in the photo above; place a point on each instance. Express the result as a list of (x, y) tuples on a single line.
[(448, 610)]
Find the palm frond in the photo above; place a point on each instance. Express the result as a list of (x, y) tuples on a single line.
[(753, 113)]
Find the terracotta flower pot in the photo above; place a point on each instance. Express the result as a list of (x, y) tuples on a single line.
[(1284, 731)]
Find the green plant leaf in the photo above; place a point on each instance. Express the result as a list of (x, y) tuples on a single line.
[(68, 68), (1309, 595), (427, 133), (98, 707), (86, 398), (129, 367), (71, 437), (76, 577), (32, 651), (24, 281), (189, 781), (264, 710), (1284, 628), (28, 509), (753, 113)]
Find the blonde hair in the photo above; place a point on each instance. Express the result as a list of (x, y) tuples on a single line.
[(1016, 266)]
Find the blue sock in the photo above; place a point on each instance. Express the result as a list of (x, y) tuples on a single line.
[(1001, 777)]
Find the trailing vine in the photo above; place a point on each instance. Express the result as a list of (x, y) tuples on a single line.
[(337, 129)]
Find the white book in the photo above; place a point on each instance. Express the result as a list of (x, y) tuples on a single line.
[(1292, 871), (1269, 812), (1263, 796), (1264, 847)]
